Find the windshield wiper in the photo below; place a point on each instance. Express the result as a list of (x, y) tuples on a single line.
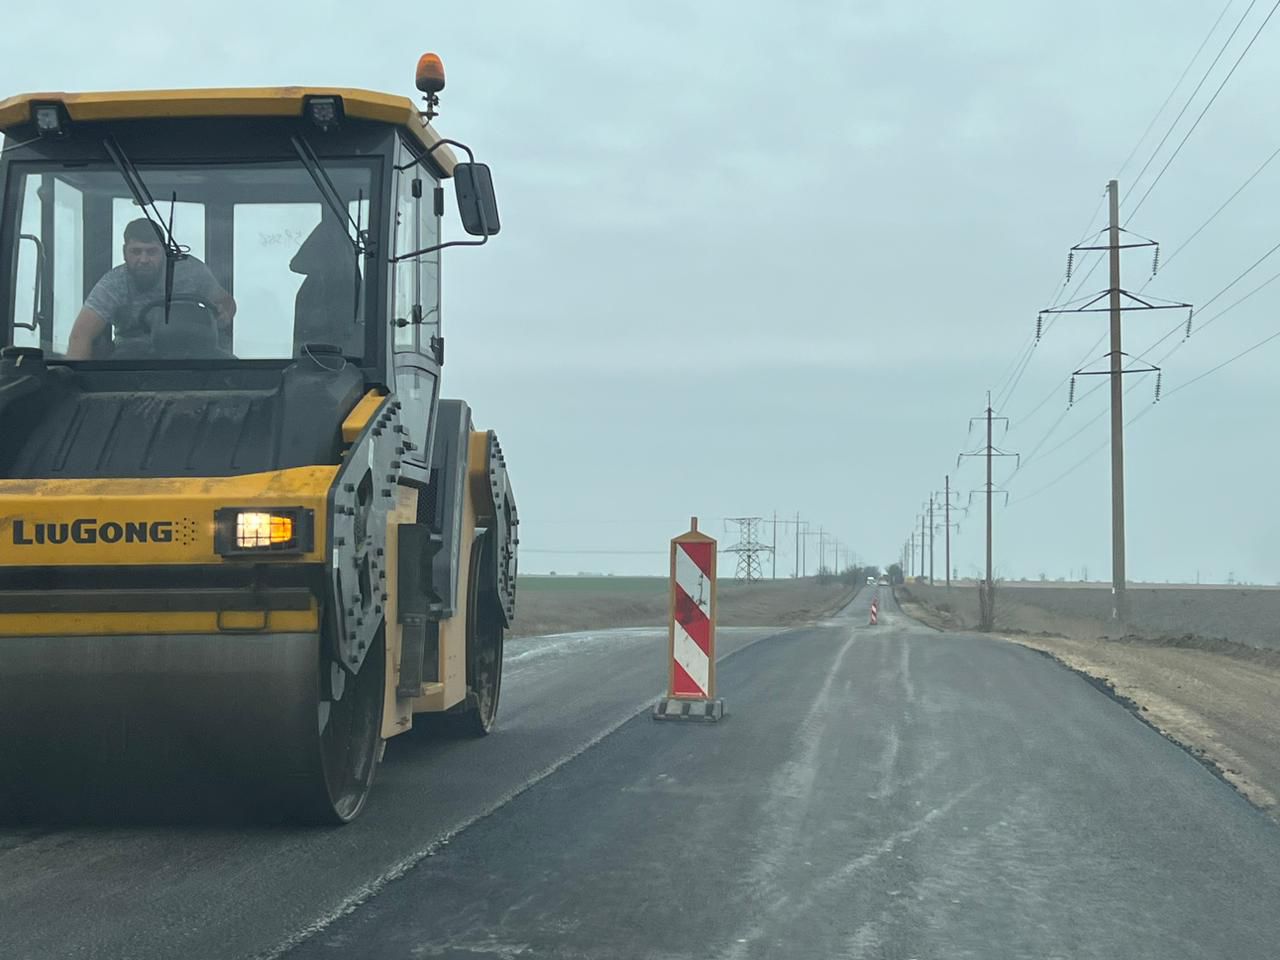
[(173, 251), (361, 244), (358, 236)]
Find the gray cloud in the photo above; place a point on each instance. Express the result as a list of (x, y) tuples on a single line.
[(760, 256)]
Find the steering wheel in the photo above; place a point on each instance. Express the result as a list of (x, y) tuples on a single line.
[(185, 299), (193, 329)]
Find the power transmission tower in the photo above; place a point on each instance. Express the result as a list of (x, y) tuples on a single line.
[(748, 548), (1119, 301), (987, 591), (947, 525)]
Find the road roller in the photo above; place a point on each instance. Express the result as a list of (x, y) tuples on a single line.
[(244, 541)]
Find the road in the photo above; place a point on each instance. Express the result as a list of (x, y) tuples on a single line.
[(886, 792)]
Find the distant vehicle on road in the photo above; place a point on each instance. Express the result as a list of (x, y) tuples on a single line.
[(871, 581)]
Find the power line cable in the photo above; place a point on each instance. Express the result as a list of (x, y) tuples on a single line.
[(1225, 363), (1142, 413), (1023, 358), (1169, 259), (1187, 135), (1173, 126), (1169, 98)]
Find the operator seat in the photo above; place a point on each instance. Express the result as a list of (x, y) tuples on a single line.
[(324, 308)]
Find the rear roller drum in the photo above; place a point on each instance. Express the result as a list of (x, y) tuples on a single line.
[(476, 716)]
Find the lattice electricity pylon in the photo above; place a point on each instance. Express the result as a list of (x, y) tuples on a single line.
[(748, 548)]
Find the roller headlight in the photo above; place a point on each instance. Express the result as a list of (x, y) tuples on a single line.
[(252, 531)]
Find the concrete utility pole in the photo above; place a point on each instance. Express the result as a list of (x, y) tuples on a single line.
[(923, 520), (804, 546), (1119, 300), (990, 577), (947, 525), (799, 525), (774, 548), (1120, 601), (931, 540), (947, 521), (797, 544), (911, 553), (986, 592)]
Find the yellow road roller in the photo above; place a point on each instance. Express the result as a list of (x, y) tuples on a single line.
[(243, 539)]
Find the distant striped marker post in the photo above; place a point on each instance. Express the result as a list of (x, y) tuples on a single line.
[(875, 609), (691, 631)]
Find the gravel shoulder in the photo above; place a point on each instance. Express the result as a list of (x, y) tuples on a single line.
[(1217, 699)]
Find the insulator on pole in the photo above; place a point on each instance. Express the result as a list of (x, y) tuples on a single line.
[(1039, 326), (1071, 260), (1187, 332), (1159, 379), (1071, 394), (1155, 260)]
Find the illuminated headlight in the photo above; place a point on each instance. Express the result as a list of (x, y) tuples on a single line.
[(324, 112), (254, 531)]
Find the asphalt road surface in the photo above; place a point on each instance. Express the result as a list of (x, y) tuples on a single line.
[(886, 792)]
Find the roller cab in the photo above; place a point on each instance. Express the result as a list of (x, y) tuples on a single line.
[(243, 540)]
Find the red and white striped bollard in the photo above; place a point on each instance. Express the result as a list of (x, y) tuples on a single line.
[(691, 631)]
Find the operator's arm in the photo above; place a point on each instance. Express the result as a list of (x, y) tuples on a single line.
[(226, 305), (84, 331), (213, 293), (102, 303)]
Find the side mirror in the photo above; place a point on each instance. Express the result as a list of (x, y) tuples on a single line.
[(477, 204)]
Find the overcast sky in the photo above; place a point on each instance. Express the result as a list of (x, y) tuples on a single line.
[(761, 256)]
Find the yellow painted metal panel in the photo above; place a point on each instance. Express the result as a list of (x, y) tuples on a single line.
[(152, 521), (360, 415), (180, 622), (453, 632), (228, 102), (397, 714)]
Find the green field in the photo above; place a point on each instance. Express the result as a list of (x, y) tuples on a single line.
[(547, 604), (617, 586)]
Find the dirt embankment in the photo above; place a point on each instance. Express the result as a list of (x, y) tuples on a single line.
[(1243, 615), (562, 604), (1218, 699)]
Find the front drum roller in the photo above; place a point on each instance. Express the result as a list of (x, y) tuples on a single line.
[(349, 740), (163, 728)]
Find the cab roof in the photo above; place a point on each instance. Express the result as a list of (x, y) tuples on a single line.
[(228, 102)]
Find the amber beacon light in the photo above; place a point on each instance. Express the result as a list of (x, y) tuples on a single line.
[(430, 75)]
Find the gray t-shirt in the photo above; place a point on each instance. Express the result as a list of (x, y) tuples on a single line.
[(117, 300)]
